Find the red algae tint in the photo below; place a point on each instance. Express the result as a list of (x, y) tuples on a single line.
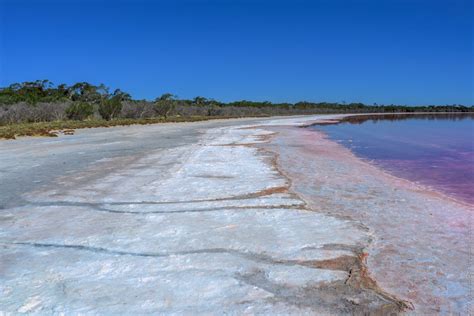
[(435, 150)]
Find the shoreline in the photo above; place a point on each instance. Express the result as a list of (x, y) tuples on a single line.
[(416, 186), (69, 127), (411, 191), (255, 216)]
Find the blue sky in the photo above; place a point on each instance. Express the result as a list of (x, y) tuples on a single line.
[(384, 51)]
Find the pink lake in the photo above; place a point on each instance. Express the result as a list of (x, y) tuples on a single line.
[(435, 150)]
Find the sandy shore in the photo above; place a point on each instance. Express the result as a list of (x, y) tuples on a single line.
[(242, 216)]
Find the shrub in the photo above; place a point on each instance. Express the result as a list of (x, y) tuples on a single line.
[(191, 110), (54, 111), (79, 111), (137, 109), (110, 108), (164, 108), (23, 112)]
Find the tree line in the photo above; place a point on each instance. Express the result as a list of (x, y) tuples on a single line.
[(41, 100)]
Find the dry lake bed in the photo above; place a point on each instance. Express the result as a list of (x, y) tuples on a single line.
[(248, 216)]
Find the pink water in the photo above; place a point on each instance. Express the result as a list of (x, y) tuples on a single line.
[(434, 150)]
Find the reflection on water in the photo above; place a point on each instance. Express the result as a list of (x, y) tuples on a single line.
[(398, 117), (433, 149)]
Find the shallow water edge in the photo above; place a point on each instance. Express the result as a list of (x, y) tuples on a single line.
[(411, 228), (434, 150)]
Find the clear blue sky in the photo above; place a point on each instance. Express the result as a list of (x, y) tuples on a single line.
[(385, 51)]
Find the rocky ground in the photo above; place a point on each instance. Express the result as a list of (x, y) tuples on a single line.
[(179, 218)]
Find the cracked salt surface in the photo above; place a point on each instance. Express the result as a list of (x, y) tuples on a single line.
[(193, 229)]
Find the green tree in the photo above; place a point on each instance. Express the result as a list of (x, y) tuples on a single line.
[(109, 108), (79, 111), (165, 104), (111, 105), (200, 100)]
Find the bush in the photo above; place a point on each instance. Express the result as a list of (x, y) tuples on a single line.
[(23, 112), (79, 111), (191, 110), (109, 109), (55, 111), (164, 108), (137, 109)]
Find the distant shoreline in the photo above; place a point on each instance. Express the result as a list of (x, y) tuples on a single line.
[(55, 128), (41, 108)]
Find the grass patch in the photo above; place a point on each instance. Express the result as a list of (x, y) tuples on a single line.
[(52, 129)]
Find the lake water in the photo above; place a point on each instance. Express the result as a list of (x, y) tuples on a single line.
[(436, 150)]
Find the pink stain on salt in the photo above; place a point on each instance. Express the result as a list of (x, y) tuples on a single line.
[(422, 240)]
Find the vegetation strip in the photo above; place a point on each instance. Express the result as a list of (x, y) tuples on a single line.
[(40, 108)]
